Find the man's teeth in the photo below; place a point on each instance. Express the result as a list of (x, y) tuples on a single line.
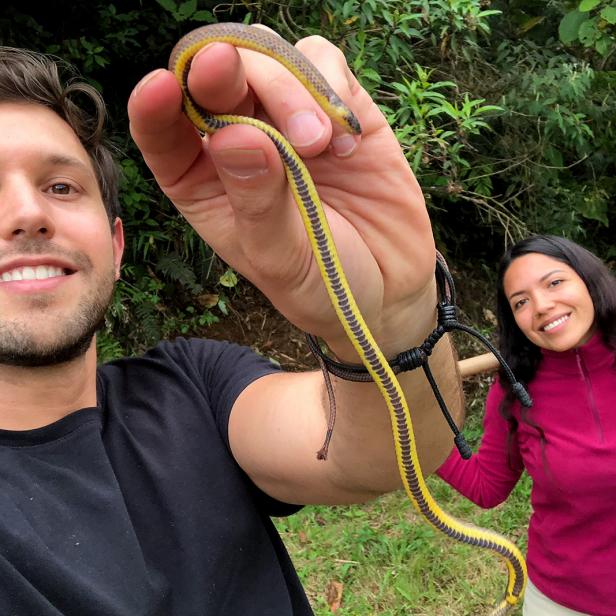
[(553, 324), (40, 272)]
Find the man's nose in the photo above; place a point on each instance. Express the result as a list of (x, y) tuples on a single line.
[(24, 213)]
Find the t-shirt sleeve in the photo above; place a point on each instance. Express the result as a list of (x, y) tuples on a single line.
[(490, 475), (227, 369), (224, 370)]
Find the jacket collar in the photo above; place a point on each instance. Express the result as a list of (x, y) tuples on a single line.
[(594, 355)]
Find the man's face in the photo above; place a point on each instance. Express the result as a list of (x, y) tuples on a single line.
[(58, 257)]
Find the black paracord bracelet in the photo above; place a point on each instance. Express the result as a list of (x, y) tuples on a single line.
[(418, 357)]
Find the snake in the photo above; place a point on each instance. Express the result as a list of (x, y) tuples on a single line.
[(324, 250)]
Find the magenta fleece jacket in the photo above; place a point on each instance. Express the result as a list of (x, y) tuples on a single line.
[(572, 531)]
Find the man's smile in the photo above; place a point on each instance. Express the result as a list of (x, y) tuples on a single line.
[(40, 272)]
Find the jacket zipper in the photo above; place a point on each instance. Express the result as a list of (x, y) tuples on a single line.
[(589, 393)]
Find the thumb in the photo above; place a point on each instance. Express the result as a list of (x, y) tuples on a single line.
[(268, 226)]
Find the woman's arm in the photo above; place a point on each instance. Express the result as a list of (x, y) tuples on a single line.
[(490, 475)]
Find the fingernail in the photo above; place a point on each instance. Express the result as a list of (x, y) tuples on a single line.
[(205, 50), (241, 163), (304, 128), (145, 80), (344, 145)]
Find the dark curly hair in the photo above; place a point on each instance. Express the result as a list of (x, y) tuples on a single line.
[(34, 78)]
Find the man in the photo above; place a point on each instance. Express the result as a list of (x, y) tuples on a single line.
[(145, 486)]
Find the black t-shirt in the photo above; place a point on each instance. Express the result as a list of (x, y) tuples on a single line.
[(136, 507)]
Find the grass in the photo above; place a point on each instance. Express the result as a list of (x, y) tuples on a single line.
[(386, 560)]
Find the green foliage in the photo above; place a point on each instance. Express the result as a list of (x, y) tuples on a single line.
[(184, 11), (557, 129), (591, 24), (429, 125)]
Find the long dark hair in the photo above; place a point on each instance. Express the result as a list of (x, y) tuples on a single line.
[(520, 353)]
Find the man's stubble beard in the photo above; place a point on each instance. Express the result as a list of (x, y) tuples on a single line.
[(19, 347)]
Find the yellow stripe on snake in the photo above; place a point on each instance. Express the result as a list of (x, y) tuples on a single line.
[(325, 253)]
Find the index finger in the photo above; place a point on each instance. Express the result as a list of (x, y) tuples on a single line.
[(168, 141)]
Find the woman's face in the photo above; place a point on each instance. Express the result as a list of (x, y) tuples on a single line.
[(549, 301)]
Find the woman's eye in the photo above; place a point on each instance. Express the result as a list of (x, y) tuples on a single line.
[(555, 283), (519, 304)]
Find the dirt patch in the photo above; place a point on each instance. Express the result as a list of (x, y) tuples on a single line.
[(254, 322)]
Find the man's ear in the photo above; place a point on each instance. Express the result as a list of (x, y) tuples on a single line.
[(118, 245)]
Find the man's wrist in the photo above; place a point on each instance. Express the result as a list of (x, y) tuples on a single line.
[(404, 326)]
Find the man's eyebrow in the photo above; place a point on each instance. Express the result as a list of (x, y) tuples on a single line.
[(63, 160), (544, 277)]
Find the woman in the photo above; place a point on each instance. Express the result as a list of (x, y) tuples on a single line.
[(556, 310)]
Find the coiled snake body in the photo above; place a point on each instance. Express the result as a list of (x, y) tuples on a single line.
[(333, 275)]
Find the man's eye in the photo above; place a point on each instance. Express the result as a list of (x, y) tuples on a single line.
[(60, 188)]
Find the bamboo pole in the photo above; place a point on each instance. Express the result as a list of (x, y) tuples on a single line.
[(475, 365)]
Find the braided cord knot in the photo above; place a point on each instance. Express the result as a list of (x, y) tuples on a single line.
[(417, 357)]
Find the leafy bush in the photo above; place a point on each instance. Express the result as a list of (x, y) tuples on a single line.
[(592, 24)]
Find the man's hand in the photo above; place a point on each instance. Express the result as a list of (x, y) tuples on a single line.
[(232, 188)]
